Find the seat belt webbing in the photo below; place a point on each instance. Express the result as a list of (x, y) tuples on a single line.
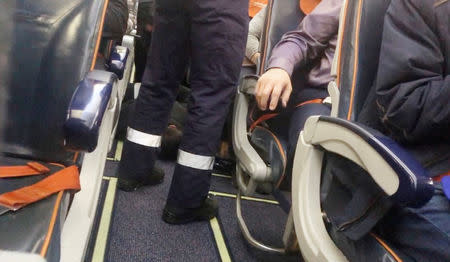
[(30, 169), (266, 117), (65, 179)]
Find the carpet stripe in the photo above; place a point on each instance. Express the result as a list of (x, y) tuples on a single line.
[(220, 175), (220, 242), (119, 148), (221, 194), (103, 229)]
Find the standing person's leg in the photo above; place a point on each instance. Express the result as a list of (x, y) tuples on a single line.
[(167, 56), (218, 37)]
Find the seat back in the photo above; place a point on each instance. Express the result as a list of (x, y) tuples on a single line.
[(47, 47), (359, 49), (282, 16)]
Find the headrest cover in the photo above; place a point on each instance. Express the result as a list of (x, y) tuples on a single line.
[(308, 5)]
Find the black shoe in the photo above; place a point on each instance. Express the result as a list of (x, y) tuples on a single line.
[(128, 185), (174, 215)]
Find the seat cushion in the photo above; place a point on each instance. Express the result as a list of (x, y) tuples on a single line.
[(37, 227)]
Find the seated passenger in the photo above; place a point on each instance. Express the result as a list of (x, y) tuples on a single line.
[(255, 28), (411, 104), (309, 50)]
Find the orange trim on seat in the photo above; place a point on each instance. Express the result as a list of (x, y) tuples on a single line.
[(355, 61), (396, 257), (341, 41), (439, 177), (51, 225), (31, 169), (254, 6), (99, 37), (65, 179), (308, 5)]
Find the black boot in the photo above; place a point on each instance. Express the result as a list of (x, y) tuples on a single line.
[(175, 215), (155, 178)]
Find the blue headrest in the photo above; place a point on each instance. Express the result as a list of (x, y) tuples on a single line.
[(47, 47), (360, 49), (282, 16), (118, 60)]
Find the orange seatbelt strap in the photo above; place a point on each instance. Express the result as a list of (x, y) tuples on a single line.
[(312, 101), (31, 169), (65, 179), (262, 118), (266, 117)]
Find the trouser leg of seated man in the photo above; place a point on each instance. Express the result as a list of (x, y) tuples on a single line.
[(218, 36), (422, 234), (167, 62), (296, 121)]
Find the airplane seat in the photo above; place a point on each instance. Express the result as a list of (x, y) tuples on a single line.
[(281, 17), (260, 154), (343, 168), (57, 107)]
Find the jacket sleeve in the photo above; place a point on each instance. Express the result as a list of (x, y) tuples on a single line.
[(310, 39), (255, 29), (412, 91)]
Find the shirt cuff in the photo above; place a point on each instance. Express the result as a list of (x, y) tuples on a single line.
[(283, 63)]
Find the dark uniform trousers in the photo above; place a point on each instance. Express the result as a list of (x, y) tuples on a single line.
[(212, 35)]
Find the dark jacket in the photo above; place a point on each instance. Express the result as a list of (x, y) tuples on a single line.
[(413, 80)]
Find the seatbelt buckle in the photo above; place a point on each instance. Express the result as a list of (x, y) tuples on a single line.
[(4, 209), (327, 100)]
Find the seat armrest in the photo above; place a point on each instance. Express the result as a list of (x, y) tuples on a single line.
[(86, 110), (396, 172), (248, 85), (118, 60), (249, 160)]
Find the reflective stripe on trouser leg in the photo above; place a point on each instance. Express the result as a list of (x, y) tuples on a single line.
[(165, 67), (195, 161), (142, 138), (138, 155), (215, 66), (191, 181)]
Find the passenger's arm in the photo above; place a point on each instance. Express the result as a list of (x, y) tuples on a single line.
[(412, 91), (254, 35), (301, 46), (297, 48)]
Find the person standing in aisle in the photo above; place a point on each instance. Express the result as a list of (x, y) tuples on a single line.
[(211, 34)]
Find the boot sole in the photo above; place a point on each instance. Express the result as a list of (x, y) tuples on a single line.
[(172, 219), (139, 185)]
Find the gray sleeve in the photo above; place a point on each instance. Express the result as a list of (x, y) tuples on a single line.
[(255, 28), (310, 39)]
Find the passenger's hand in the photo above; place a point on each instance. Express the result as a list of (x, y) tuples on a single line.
[(255, 58), (274, 84)]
